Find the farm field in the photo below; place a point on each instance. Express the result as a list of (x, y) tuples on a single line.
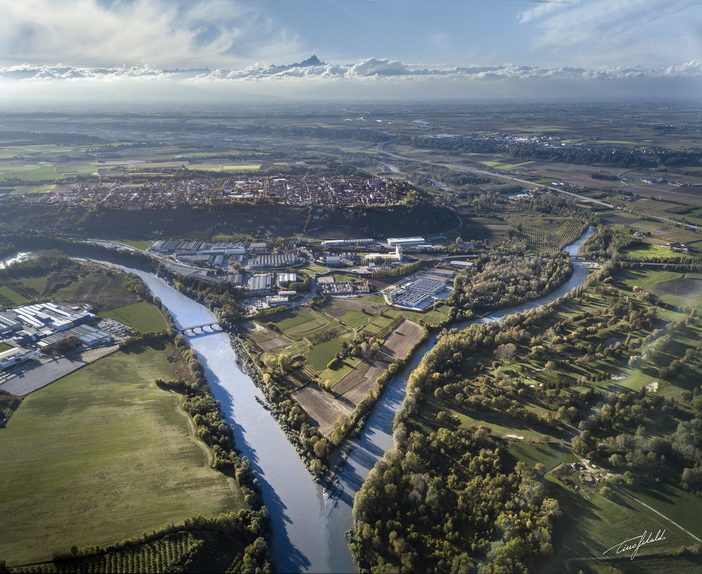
[(142, 316), (103, 441), (647, 251), (315, 337)]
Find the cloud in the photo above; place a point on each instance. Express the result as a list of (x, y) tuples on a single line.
[(158, 31), (643, 30), (372, 78), (368, 69), (541, 10)]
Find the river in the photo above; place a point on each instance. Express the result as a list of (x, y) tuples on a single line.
[(14, 259), (304, 538)]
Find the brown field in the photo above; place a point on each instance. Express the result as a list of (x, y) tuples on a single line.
[(274, 343), (321, 408), (354, 387), (357, 305), (354, 378), (400, 342), (355, 395), (683, 287)]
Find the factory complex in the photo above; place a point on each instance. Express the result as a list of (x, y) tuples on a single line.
[(420, 290), (34, 328)]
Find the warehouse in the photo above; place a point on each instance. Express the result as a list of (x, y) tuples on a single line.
[(406, 241), (260, 284)]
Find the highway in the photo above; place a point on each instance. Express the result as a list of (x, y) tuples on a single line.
[(492, 174)]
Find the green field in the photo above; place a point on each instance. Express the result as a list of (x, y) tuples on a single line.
[(549, 454), (312, 270), (334, 376), (37, 284), (303, 324), (141, 316), (103, 455), (649, 251), (5, 347), (8, 293), (355, 318), (143, 245), (590, 527), (321, 354)]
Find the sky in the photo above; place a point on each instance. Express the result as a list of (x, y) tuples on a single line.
[(370, 48)]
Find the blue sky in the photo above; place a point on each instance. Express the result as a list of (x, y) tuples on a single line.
[(599, 38)]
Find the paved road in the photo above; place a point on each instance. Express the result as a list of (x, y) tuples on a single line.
[(492, 174), (41, 376)]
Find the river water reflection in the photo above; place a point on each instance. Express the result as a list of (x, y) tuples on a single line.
[(304, 538)]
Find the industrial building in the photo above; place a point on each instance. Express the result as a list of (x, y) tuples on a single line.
[(285, 278), (14, 357), (406, 241), (260, 284), (8, 326), (270, 261), (347, 242)]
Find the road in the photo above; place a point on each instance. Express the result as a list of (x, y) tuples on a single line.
[(492, 174)]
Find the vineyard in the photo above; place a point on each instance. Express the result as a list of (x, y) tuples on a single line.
[(383, 332), (551, 236), (326, 335), (165, 554), (227, 543), (21, 289), (5, 302)]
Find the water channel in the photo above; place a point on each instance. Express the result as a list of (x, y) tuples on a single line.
[(304, 538)]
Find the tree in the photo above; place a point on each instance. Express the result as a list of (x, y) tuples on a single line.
[(506, 352)]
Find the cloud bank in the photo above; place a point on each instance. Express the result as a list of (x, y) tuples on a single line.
[(368, 69), (372, 78)]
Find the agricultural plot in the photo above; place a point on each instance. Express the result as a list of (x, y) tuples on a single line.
[(103, 441), (550, 236), (10, 297), (299, 324), (322, 409), (141, 316)]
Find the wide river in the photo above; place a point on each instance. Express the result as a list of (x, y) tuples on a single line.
[(304, 538)]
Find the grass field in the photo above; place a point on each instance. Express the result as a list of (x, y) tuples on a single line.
[(590, 527), (143, 245), (142, 316), (100, 456), (550, 454), (319, 355), (303, 324), (16, 298), (654, 565), (313, 270), (37, 284), (5, 347), (649, 251)]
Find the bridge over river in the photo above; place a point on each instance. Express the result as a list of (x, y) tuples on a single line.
[(200, 329)]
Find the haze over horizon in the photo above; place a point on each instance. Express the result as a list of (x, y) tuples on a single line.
[(210, 50)]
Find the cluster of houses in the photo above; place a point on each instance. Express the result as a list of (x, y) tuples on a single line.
[(166, 194), (679, 247), (313, 191)]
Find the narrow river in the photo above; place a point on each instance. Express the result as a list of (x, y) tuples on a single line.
[(304, 538)]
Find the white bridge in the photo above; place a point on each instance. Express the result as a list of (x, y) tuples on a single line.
[(200, 329)]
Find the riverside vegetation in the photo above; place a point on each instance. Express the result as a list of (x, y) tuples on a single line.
[(192, 544), (552, 374)]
